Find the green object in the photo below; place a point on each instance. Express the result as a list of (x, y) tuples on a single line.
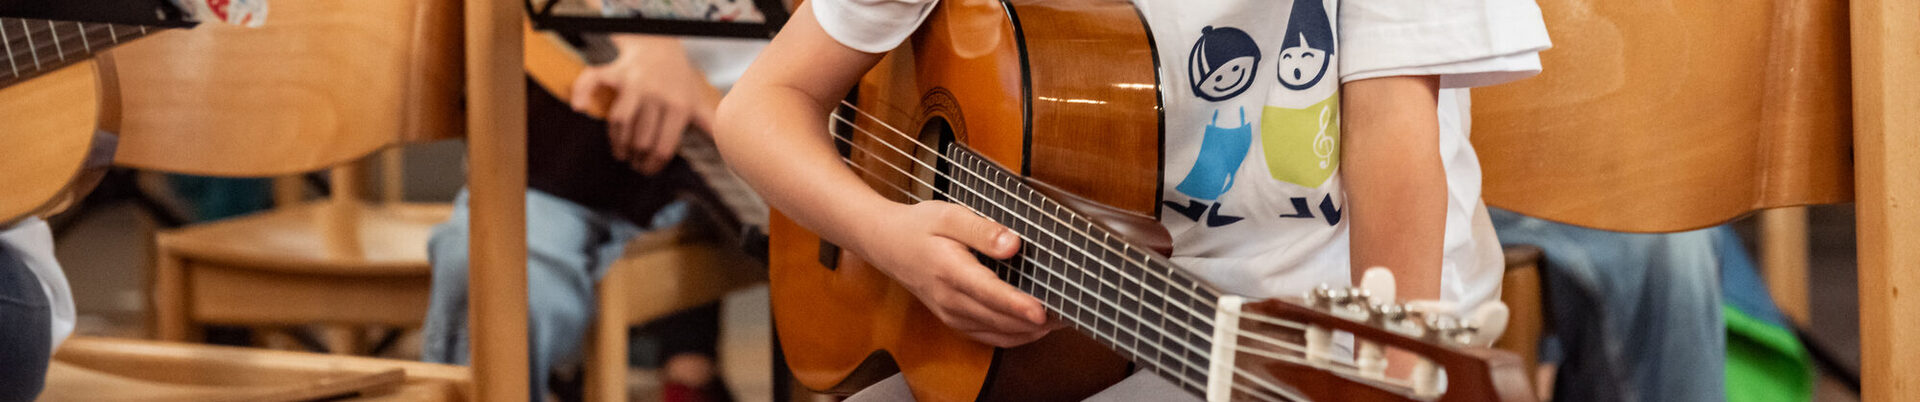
[(1765, 362), (216, 198)]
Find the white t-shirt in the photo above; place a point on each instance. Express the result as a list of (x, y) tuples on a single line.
[(722, 59), (1252, 195)]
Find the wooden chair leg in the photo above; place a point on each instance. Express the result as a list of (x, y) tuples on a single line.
[(607, 344), (170, 298), (1783, 260)]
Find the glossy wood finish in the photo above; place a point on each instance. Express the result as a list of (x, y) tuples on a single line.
[(323, 262), (497, 180), (1886, 72), (97, 369), (1672, 116), (47, 125), (327, 81), (970, 69)]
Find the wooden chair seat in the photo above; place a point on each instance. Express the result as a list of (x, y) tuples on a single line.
[(660, 273), (102, 369), (319, 237), (319, 263)]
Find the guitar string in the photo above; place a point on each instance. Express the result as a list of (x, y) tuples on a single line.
[(8, 42), (959, 166), (85, 36), (1339, 366), (910, 139), (1186, 363), (1190, 330), (1257, 317), (1203, 317), (1148, 269), (53, 47)]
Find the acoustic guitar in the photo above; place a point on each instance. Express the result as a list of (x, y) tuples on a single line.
[(59, 110), (1044, 115)]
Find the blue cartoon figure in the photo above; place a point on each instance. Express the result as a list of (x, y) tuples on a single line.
[(1309, 46), (1223, 64), (1221, 151)]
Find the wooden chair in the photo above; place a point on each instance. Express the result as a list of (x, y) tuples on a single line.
[(232, 101), (1521, 289), (660, 273), (1671, 118), (99, 369)]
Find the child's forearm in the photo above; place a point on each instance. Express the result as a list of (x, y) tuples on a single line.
[(1395, 181), (772, 131)]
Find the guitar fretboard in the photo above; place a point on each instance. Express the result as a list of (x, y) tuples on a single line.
[(1130, 299), (34, 47)]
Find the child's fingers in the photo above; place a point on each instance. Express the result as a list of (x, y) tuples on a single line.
[(976, 232), (980, 284)]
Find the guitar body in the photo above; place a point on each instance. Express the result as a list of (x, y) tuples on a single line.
[(1063, 92), (51, 124)]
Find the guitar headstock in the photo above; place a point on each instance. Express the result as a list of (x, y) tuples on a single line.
[(1293, 350)]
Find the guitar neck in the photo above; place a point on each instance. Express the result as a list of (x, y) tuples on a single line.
[(1131, 299), (34, 47)]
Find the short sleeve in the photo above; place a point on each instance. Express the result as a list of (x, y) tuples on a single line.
[(1467, 43), (872, 26)]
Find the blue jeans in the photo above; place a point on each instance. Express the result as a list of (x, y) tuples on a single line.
[(24, 336), (568, 250), (1635, 317)]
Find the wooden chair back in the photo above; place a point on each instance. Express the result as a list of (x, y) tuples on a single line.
[(1673, 116), (322, 83)]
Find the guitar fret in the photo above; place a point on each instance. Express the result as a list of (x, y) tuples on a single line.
[(4, 38), (30, 46), (1101, 285), (54, 31), (88, 47)]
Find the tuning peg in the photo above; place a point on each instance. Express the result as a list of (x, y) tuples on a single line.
[(1378, 285), (1320, 296), (1379, 282), (1488, 323)]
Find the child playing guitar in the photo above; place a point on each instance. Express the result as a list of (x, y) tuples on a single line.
[(1360, 109)]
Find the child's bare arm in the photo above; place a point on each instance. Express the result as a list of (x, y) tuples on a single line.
[(1396, 183), (772, 130)]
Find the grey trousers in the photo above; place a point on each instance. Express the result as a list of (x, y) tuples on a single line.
[(1141, 386)]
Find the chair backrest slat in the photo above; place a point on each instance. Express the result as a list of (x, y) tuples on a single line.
[(1673, 116)]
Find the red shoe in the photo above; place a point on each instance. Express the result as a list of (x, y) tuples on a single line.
[(715, 391)]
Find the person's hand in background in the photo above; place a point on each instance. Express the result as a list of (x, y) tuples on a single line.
[(657, 95)]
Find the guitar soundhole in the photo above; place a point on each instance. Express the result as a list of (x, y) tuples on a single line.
[(938, 135)]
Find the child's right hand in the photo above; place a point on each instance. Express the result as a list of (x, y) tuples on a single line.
[(924, 247)]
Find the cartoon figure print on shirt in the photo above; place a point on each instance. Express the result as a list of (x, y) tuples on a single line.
[(1224, 62), (1300, 126)]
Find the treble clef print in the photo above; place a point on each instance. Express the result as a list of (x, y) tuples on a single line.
[(1323, 144)]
